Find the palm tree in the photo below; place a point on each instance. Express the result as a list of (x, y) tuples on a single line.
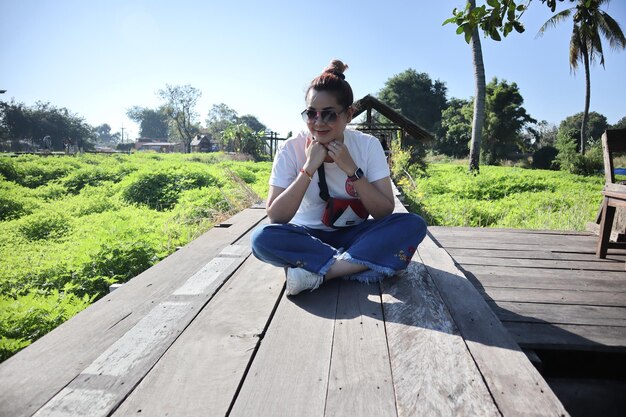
[(586, 45), (479, 100)]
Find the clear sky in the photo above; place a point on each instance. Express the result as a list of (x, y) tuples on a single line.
[(98, 58)]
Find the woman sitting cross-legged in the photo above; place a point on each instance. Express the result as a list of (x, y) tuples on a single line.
[(324, 185)]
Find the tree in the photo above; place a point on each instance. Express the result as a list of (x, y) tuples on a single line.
[(103, 136), (23, 124), (596, 125), (220, 118), (504, 122), (495, 18), (621, 124), (241, 138), (470, 30), (153, 123), (590, 24), (180, 102), (456, 129), (416, 97), (479, 100), (252, 122), (500, 16)]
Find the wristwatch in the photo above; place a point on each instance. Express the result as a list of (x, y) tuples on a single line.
[(358, 174)]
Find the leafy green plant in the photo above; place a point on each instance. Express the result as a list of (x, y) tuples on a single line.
[(543, 158), (45, 225), (160, 190), (27, 318)]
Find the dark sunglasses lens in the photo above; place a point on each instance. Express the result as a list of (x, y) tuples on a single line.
[(328, 116), (308, 115)]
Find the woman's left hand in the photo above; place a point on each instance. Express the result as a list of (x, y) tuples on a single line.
[(341, 156)]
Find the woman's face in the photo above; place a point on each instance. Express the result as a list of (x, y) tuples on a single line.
[(326, 132)]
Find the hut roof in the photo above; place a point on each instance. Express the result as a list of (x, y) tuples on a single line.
[(412, 128)]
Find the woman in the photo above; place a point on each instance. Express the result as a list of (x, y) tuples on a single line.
[(349, 165)]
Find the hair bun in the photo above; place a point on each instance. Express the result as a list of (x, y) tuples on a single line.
[(337, 68)]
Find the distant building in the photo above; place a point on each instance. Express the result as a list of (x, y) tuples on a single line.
[(157, 145), (203, 143)]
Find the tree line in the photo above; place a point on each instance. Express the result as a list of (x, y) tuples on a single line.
[(45, 127), (509, 132), (177, 120), (499, 18)]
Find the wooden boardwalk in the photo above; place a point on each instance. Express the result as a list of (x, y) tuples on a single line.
[(547, 287), (209, 332)]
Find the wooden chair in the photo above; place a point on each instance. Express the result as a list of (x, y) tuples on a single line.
[(613, 141)]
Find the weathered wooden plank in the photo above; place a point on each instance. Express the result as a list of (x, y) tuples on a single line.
[(514, 383), (360, 381), (477, 243), (560, 314), (526, 235), (552, 336), (37, 373), (542, 263), (531, 254), (289, 374), (548, 279), (119, 368), (433, 371), (591, 298), (498, 230), (514, 240), (201, 372)]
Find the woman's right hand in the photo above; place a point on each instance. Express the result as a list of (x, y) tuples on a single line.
[(315, 155)]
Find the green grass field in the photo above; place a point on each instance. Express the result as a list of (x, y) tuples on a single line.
[(72, 226), (506, 197)]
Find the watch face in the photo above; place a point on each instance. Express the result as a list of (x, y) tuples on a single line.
[(359, 173)]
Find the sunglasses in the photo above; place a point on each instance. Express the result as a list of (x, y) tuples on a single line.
[(327, 116)]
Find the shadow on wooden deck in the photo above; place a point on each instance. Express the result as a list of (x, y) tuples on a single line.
[(564, 306)]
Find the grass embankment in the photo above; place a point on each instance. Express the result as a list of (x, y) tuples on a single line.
[(72, 226), (506, 197)]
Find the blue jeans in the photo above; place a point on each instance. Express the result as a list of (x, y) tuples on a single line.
[(385, 246)]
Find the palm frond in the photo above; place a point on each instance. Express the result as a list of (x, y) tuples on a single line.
[(575, 49), (555, 20), (611, 30), (594, 47)]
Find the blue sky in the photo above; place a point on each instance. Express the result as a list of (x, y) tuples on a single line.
[(99, 58)]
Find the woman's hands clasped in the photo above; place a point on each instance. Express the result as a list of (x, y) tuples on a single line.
[(317, 152)]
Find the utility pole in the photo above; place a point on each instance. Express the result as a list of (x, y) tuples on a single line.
[(122, 133)]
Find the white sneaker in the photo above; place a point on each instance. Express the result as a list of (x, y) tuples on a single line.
[(299, 279)]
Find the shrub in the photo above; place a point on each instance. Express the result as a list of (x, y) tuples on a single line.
[(204, 203), (161, 190), (12, 206), (44, 225), (77, 180), (7, 169), (568, 158), (35, 172), (26, 318), (544, 157), (51, 191), (116, 262)]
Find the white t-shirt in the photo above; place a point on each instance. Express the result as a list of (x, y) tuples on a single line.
[(367, 153)]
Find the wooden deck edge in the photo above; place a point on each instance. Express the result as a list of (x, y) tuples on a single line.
[(516, 386)]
